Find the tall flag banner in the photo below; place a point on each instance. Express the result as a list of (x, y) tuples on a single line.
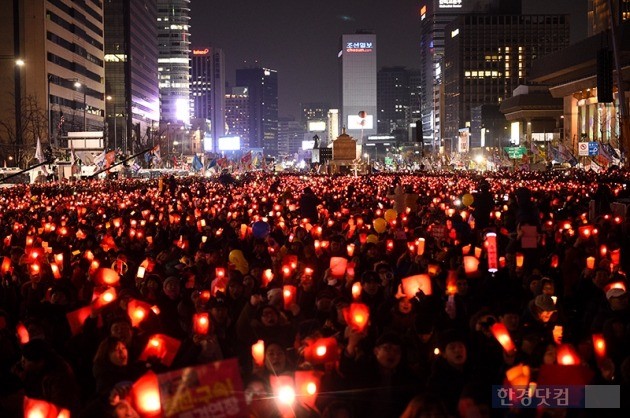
[(99, 160), (110, 157), (246, 159), (156, 153), (196, 163), (39, 154), (74, 166)]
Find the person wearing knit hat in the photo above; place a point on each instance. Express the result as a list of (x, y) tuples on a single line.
[(545, 307)]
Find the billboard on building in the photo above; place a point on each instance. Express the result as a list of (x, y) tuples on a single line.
[(230, 143), (464, 140), (356, 122), (316, 126)]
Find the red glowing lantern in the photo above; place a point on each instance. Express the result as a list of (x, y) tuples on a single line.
[(471, 265), (138, 311), (357, 315), (267, 277), (502, 335), (554, 261), (520, 259), (219, 285), (323, 350), (413, 284), (288, 294), (356, 290), (219, 272), (55, 271), (201, 323), (37, 408), (76, 319), (350, 270), (107, 277), (590, 263), (599, 346), (567, 356), (338, 266), (284, 393), (100, 300), (22, 333), (518, 375), (491, 248), (615, 256), (162, 347), (307, 385), (390, 245), (6, 265), (350, 249), (258, 353), (145, 395), (420, 243)]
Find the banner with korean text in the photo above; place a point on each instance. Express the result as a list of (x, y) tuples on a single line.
[(209, 390)]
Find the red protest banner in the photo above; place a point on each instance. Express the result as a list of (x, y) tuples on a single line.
[(210, 390)]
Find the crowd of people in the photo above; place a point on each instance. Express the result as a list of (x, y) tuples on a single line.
[(289, 259)]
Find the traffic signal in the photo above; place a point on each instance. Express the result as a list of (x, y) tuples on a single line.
[(604, 76)]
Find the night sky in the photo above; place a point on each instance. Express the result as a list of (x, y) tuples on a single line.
[(300, 38)]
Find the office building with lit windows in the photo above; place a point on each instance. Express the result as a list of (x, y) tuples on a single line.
[(486, 57), (262, 87), (434, 16), (599, 16), (207, 89), (237, 114), (393, 98), (60, 43), (357, 60), (131, 74), (174, 60)]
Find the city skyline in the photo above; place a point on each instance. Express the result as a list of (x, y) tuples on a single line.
[(255, 34)]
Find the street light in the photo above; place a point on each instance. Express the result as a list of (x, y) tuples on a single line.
[(17, 78), (78, 85)]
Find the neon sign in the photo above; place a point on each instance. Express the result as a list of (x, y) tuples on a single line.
[(201, 51), (359, 47)]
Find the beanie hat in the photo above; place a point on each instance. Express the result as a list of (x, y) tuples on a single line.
[(544, 303)]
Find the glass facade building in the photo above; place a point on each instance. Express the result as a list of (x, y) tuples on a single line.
[(174, 60), (262, 86), (131, 73), (207, 89), (487, 57)]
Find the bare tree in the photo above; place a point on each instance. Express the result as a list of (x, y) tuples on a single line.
[(34, 125)]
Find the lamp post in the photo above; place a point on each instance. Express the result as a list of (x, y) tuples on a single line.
[(78, 85)]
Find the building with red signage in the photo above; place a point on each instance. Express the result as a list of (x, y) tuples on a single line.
[(357, 60), (207, 89)]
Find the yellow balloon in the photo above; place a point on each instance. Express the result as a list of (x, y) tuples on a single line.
[(390, 215), (468, 199), (379, 225), (372, 239), (237, 258)]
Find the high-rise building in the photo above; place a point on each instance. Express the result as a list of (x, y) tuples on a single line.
[(599, 16), (393, 98), (434, 16), (487, 57), (357, 59), (207, 89), (415, 105), (262, 86), (60, 44), (237, 114), (332, 124), (174, 59), (131, 73), (290, 135), (313, 112)]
